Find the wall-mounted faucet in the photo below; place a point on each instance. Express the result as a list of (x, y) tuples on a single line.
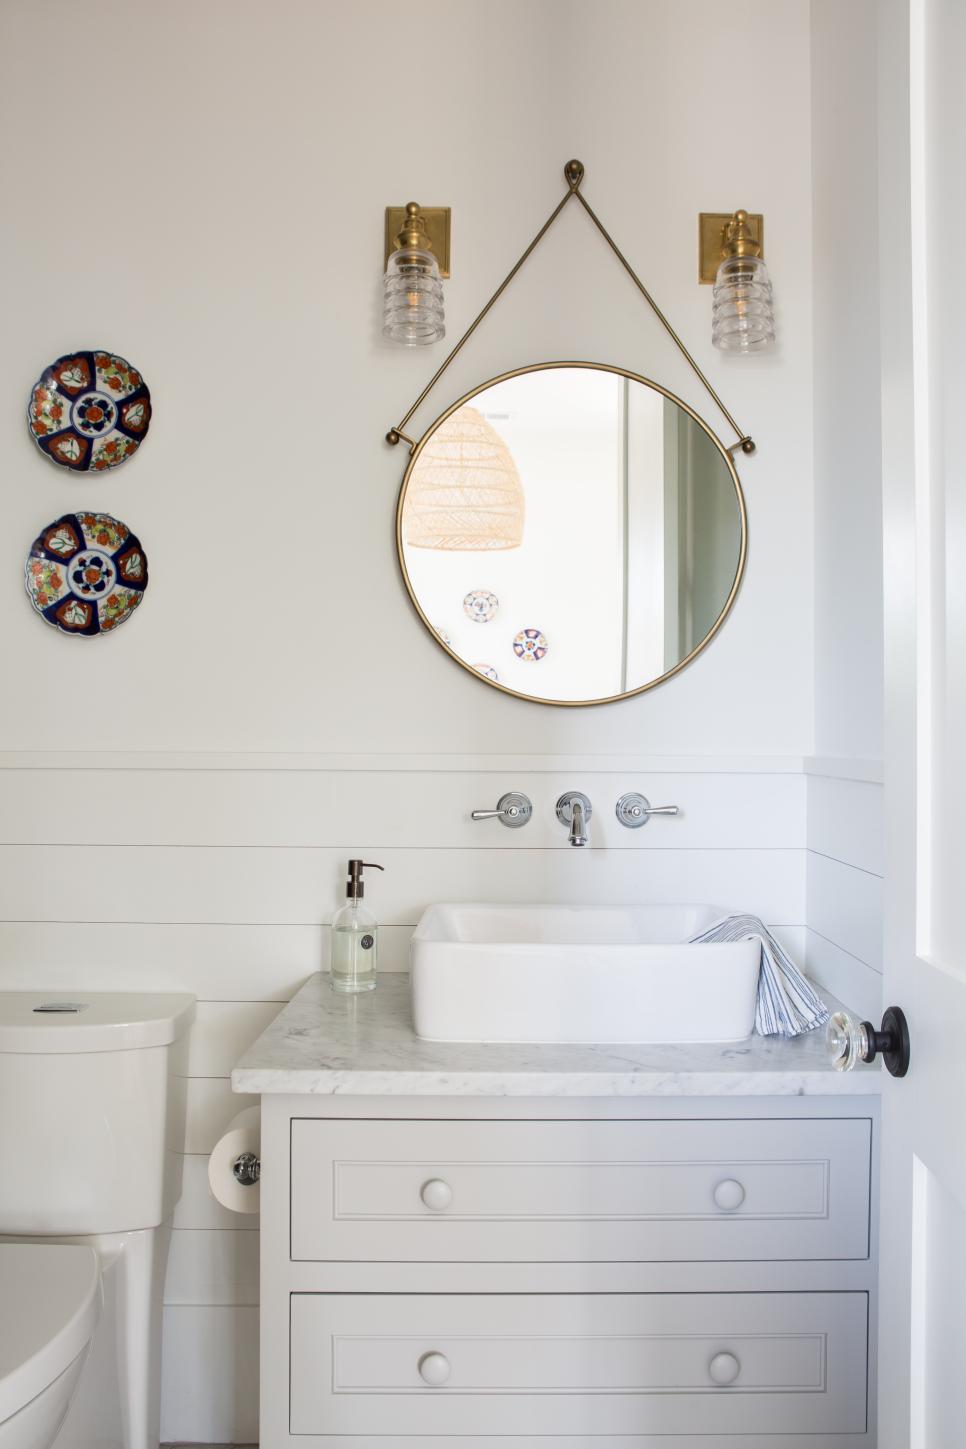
[(575, 810)]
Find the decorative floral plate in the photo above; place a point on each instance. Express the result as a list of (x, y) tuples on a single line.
[(86, 573), (488, 672), (530, 644), (89, 411), (481, 605)]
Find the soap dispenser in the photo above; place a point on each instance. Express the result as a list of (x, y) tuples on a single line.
[(355, 936)]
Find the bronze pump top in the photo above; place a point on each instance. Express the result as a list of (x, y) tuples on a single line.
[(355, 886)]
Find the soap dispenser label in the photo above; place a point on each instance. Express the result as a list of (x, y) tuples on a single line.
[(367, 942)]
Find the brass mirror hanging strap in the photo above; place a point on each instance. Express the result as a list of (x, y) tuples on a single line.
[(574, 174), (745, 443)]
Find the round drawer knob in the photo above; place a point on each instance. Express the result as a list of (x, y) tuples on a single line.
[(434, 1369), (436, 1194), (729, 1195), (724, 1368)]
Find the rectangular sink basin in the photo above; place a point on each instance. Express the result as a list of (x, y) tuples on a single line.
[(581, 974)]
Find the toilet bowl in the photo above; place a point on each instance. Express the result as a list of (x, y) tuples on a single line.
[(50, 1300), (93, 1158)]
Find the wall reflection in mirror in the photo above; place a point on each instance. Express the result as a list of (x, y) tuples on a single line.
[(572, 533)]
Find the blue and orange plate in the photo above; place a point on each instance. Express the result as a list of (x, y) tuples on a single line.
[(86, 573), (89, 411)]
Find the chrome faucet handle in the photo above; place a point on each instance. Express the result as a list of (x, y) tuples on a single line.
[(634, 810), (512, 810), (574, 810)]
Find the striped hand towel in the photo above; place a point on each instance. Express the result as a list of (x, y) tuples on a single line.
[(787, 1005)]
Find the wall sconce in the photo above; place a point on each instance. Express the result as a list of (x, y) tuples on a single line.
[(730, 256), (417, 257)]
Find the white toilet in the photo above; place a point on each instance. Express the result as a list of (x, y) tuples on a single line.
[(92, 1136), (50, 1300)]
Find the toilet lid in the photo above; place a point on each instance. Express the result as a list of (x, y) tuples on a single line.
[(49, 1302), (93, 1021)]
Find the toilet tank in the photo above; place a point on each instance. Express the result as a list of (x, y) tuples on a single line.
[(92, 1110)]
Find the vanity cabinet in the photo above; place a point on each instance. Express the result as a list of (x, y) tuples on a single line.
[(591, 1274)]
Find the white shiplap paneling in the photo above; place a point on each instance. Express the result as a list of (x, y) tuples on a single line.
[(318, 808), (223, 1031), (854, 982), (213, 1267), (197, 884), (216, 961), (845, 821), (209, 1386), (843, 946), (845, 906), (211, 1106)]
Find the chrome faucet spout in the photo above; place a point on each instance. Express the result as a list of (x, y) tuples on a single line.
[(574, 810)]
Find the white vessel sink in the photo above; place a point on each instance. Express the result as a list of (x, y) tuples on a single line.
[(580, 974)]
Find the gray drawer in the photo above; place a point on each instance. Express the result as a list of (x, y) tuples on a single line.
[(595, 1364), (580, 1191)]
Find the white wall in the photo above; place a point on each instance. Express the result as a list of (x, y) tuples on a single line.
[(201, 187), (845, 804), (848, 440), (232, 249)]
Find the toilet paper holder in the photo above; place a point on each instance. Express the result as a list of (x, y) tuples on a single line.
[(247, 1169), (235, 1163)]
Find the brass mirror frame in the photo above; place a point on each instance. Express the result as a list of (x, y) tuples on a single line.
[(632, 377)]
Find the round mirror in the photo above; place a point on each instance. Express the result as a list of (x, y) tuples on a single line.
[(571, 533)]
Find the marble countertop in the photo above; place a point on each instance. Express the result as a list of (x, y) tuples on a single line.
[(365, 1046)]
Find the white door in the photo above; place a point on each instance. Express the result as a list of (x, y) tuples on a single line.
[(922, 114)]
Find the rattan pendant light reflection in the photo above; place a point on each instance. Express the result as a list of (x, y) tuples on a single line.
[(464, 492)]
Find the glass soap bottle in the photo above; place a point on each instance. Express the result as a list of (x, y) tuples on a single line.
[(355, 936)]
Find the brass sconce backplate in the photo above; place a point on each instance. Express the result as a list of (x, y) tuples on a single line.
[(712, 226), (437, 221)]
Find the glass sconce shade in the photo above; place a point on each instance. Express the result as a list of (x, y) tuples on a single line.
[(413, 302), (413, 310), (742, 319), (464, 492)]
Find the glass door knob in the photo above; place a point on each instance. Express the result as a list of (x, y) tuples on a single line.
[(842, 1041), (849, 1041)]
